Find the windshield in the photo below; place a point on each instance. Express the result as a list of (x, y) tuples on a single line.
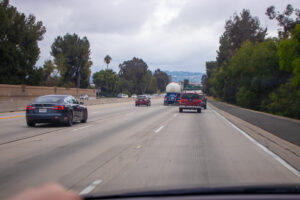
[(138, 95), (48, 99), (190, 96)]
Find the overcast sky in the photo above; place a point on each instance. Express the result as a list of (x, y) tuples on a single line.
[(176, 35)]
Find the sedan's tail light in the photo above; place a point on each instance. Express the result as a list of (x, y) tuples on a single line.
[(58, 107), (29, 107)]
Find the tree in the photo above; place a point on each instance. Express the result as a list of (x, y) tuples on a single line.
[(286, 99), (48, 69), (289, 55), (152, 86), (19, 51), (253, 73), (162, 80), (210, 66), (107, 60), (108, 81), (238, 29), (284, 19), (186, 83), (136, 75), (72, 57)]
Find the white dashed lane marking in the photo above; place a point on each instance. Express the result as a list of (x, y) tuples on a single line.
[(91, 187), (159, 129)]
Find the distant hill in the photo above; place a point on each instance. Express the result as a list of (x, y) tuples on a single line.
[(193, 77)]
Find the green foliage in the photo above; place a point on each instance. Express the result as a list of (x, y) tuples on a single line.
[(72, 58), (238, 29), (152, 86), (107, 60), (262, 76), (284, 19), (108, 81), (162, 80), (289, 55), (246, 98), (135, 76), (285, 101), (254, 67), (210, 66), (19, 51), (186, 83), (216, 81)]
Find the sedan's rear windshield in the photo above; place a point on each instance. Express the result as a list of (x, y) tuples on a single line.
[(141, 97), (50, 99), (190, 96)]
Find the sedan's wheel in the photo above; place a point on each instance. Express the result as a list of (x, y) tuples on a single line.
[(31, 124), (70, 119), (84, 120)]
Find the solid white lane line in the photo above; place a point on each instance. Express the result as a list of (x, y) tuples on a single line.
[(76, 129), (276, 157), (159, 129), (91, 187)]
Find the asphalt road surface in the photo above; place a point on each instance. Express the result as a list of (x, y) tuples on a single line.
[(123, 147)]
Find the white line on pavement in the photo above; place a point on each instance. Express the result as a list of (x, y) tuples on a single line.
[(175, 115), (159, 129), (76, 129), (276, 157), (91, 187)]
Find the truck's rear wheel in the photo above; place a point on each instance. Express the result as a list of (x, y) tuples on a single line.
[(199, 110), (180, 109)]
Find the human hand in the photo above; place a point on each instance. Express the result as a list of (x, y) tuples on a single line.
[(51, 191)]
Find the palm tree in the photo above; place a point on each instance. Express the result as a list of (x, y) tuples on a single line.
[(107, 60)]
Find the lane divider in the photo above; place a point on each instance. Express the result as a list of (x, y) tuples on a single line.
[(90, 188), (76, 129), (11, 117), (275, 156), (159, 129)]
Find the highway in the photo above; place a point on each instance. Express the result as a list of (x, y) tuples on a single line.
[(123, 147)]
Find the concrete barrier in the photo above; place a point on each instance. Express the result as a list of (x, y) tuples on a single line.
[(16, 97), (12, 91)]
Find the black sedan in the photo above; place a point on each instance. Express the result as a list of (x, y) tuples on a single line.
[(56, 109)]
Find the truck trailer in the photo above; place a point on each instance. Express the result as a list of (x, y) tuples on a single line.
[(173, 94)]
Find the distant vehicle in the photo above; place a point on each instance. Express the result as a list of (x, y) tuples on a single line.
[(190, 101), (134, 96), (121, 95), (56, 109), (203, 101), (173, 94), (142, 100), (84, 97)]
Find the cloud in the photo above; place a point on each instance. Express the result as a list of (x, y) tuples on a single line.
[(169, 34)]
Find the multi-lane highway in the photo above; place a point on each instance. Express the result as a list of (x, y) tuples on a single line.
[(123, 147)]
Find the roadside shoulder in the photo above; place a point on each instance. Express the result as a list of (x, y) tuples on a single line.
[(284, 149)]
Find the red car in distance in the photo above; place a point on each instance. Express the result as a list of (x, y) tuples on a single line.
[(142, 100)]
